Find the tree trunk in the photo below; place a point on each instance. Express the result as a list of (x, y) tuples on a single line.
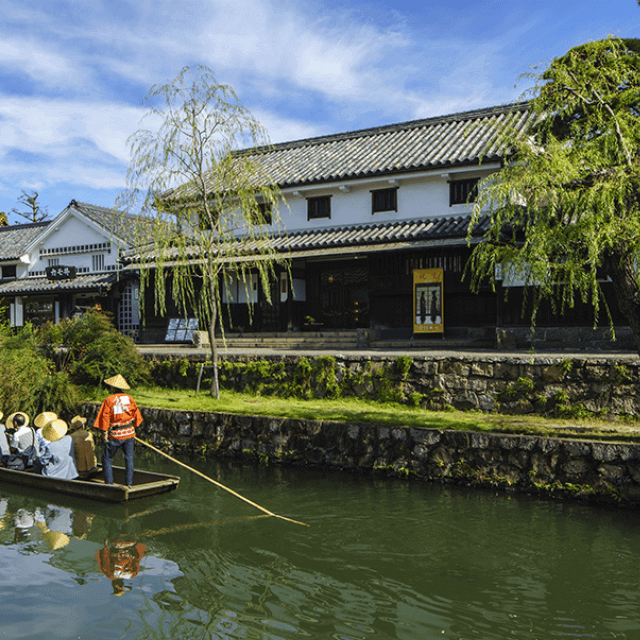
[(622, 271), (215, 387)]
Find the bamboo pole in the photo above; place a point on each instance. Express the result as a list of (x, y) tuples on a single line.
[(219, 484)]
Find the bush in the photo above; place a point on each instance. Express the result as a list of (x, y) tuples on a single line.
[(91, 349), (28, 381)]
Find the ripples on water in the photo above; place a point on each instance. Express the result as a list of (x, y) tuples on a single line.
[(382, 559)]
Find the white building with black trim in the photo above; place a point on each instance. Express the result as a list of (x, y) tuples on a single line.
[(365, 210), (56, 269)]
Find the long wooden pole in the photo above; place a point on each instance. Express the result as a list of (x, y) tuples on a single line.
[(219, 484)]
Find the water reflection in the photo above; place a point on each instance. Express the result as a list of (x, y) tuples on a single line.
[(381, 560), (119, 560)]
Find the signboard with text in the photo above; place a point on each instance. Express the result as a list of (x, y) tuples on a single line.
[(60, 272), (428, 315)]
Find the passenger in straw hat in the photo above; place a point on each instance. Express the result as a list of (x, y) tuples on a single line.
[(40, 421), (117, 419), (84, 447), (24, 436), (62, 462)]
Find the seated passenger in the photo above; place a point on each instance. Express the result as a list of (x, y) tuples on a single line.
[(84, 447), (24, 436), (62, 462), (4, 443), (40, 421)]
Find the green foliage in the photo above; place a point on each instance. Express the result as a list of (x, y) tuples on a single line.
[(403, 365), (29, 382), (415, 399), (622, 373), (565, 211), (525, 385), (225, 205), (566, 365), (92, 349)]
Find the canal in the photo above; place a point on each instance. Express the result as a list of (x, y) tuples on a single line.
[(381, 559)]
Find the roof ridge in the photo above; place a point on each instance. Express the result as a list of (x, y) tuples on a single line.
[(398, 126), (25, 225)]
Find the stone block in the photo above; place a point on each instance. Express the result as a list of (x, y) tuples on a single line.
[(575, 470), (482, 369), (553, 373), (611, 473)]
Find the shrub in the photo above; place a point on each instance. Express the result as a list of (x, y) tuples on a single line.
[(29, 382), (90, 349)]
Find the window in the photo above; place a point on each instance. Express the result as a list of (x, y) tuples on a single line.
[(53, 262), (263, 215), (319, 207), (384, 200), (97, 262), (9, 271), (463, 191)]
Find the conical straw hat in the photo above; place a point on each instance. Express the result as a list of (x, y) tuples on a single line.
[(54, 430), (78, 422), (118, 382), (46, 416)]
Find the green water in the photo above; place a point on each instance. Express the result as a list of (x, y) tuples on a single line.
[(381, 559)]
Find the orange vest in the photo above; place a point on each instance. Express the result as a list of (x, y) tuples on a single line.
[(119, 415)]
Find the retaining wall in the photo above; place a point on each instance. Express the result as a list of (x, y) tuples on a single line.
[(594, 471), (567, 386)]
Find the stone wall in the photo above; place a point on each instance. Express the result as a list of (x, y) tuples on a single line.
[(595, 471), (561, 386)]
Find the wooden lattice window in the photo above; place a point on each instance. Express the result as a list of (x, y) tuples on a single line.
[(384, 200), (319, 207), (463, 191)]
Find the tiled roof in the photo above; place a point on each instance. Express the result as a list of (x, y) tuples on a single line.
[(422, 229), (88, 282), (361, 238), (433, 143), (120, 225), (14, 239)]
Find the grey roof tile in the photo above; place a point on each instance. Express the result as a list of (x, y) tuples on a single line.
[(418, 145), (15, 239), (418, 231), (84, 282)]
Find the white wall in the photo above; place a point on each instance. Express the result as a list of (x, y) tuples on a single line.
[(70, 232), (419, 196)]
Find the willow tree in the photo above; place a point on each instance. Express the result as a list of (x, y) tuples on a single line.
[(208, 208), (565, 209)]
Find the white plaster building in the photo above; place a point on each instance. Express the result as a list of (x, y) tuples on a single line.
[(55, 269)]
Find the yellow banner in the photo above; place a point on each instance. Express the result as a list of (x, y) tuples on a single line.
[(427, 301)]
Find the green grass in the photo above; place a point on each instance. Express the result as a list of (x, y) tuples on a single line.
[(355, 410)]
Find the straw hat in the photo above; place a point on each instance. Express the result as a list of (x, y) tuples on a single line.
[(41, 419), (77, 422), (118, 382), (54, 430), (1, 415), (56, 539), (12, 417)]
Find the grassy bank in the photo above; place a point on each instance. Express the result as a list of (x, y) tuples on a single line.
[(355, 410)]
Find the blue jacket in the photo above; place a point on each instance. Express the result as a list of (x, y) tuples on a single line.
[(62, 463)]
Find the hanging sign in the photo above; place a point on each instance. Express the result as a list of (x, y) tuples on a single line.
[(427, 301), (60, 272)]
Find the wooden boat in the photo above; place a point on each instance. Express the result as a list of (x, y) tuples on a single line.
[(145, 483)]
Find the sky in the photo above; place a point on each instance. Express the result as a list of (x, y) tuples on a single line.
[(74, 74)]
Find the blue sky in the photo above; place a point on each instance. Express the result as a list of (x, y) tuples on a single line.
[(73, 74)]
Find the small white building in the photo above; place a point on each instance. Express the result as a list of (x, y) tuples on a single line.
[(56, 269)]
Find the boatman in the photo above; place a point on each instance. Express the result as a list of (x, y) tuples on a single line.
[(117, 419)]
